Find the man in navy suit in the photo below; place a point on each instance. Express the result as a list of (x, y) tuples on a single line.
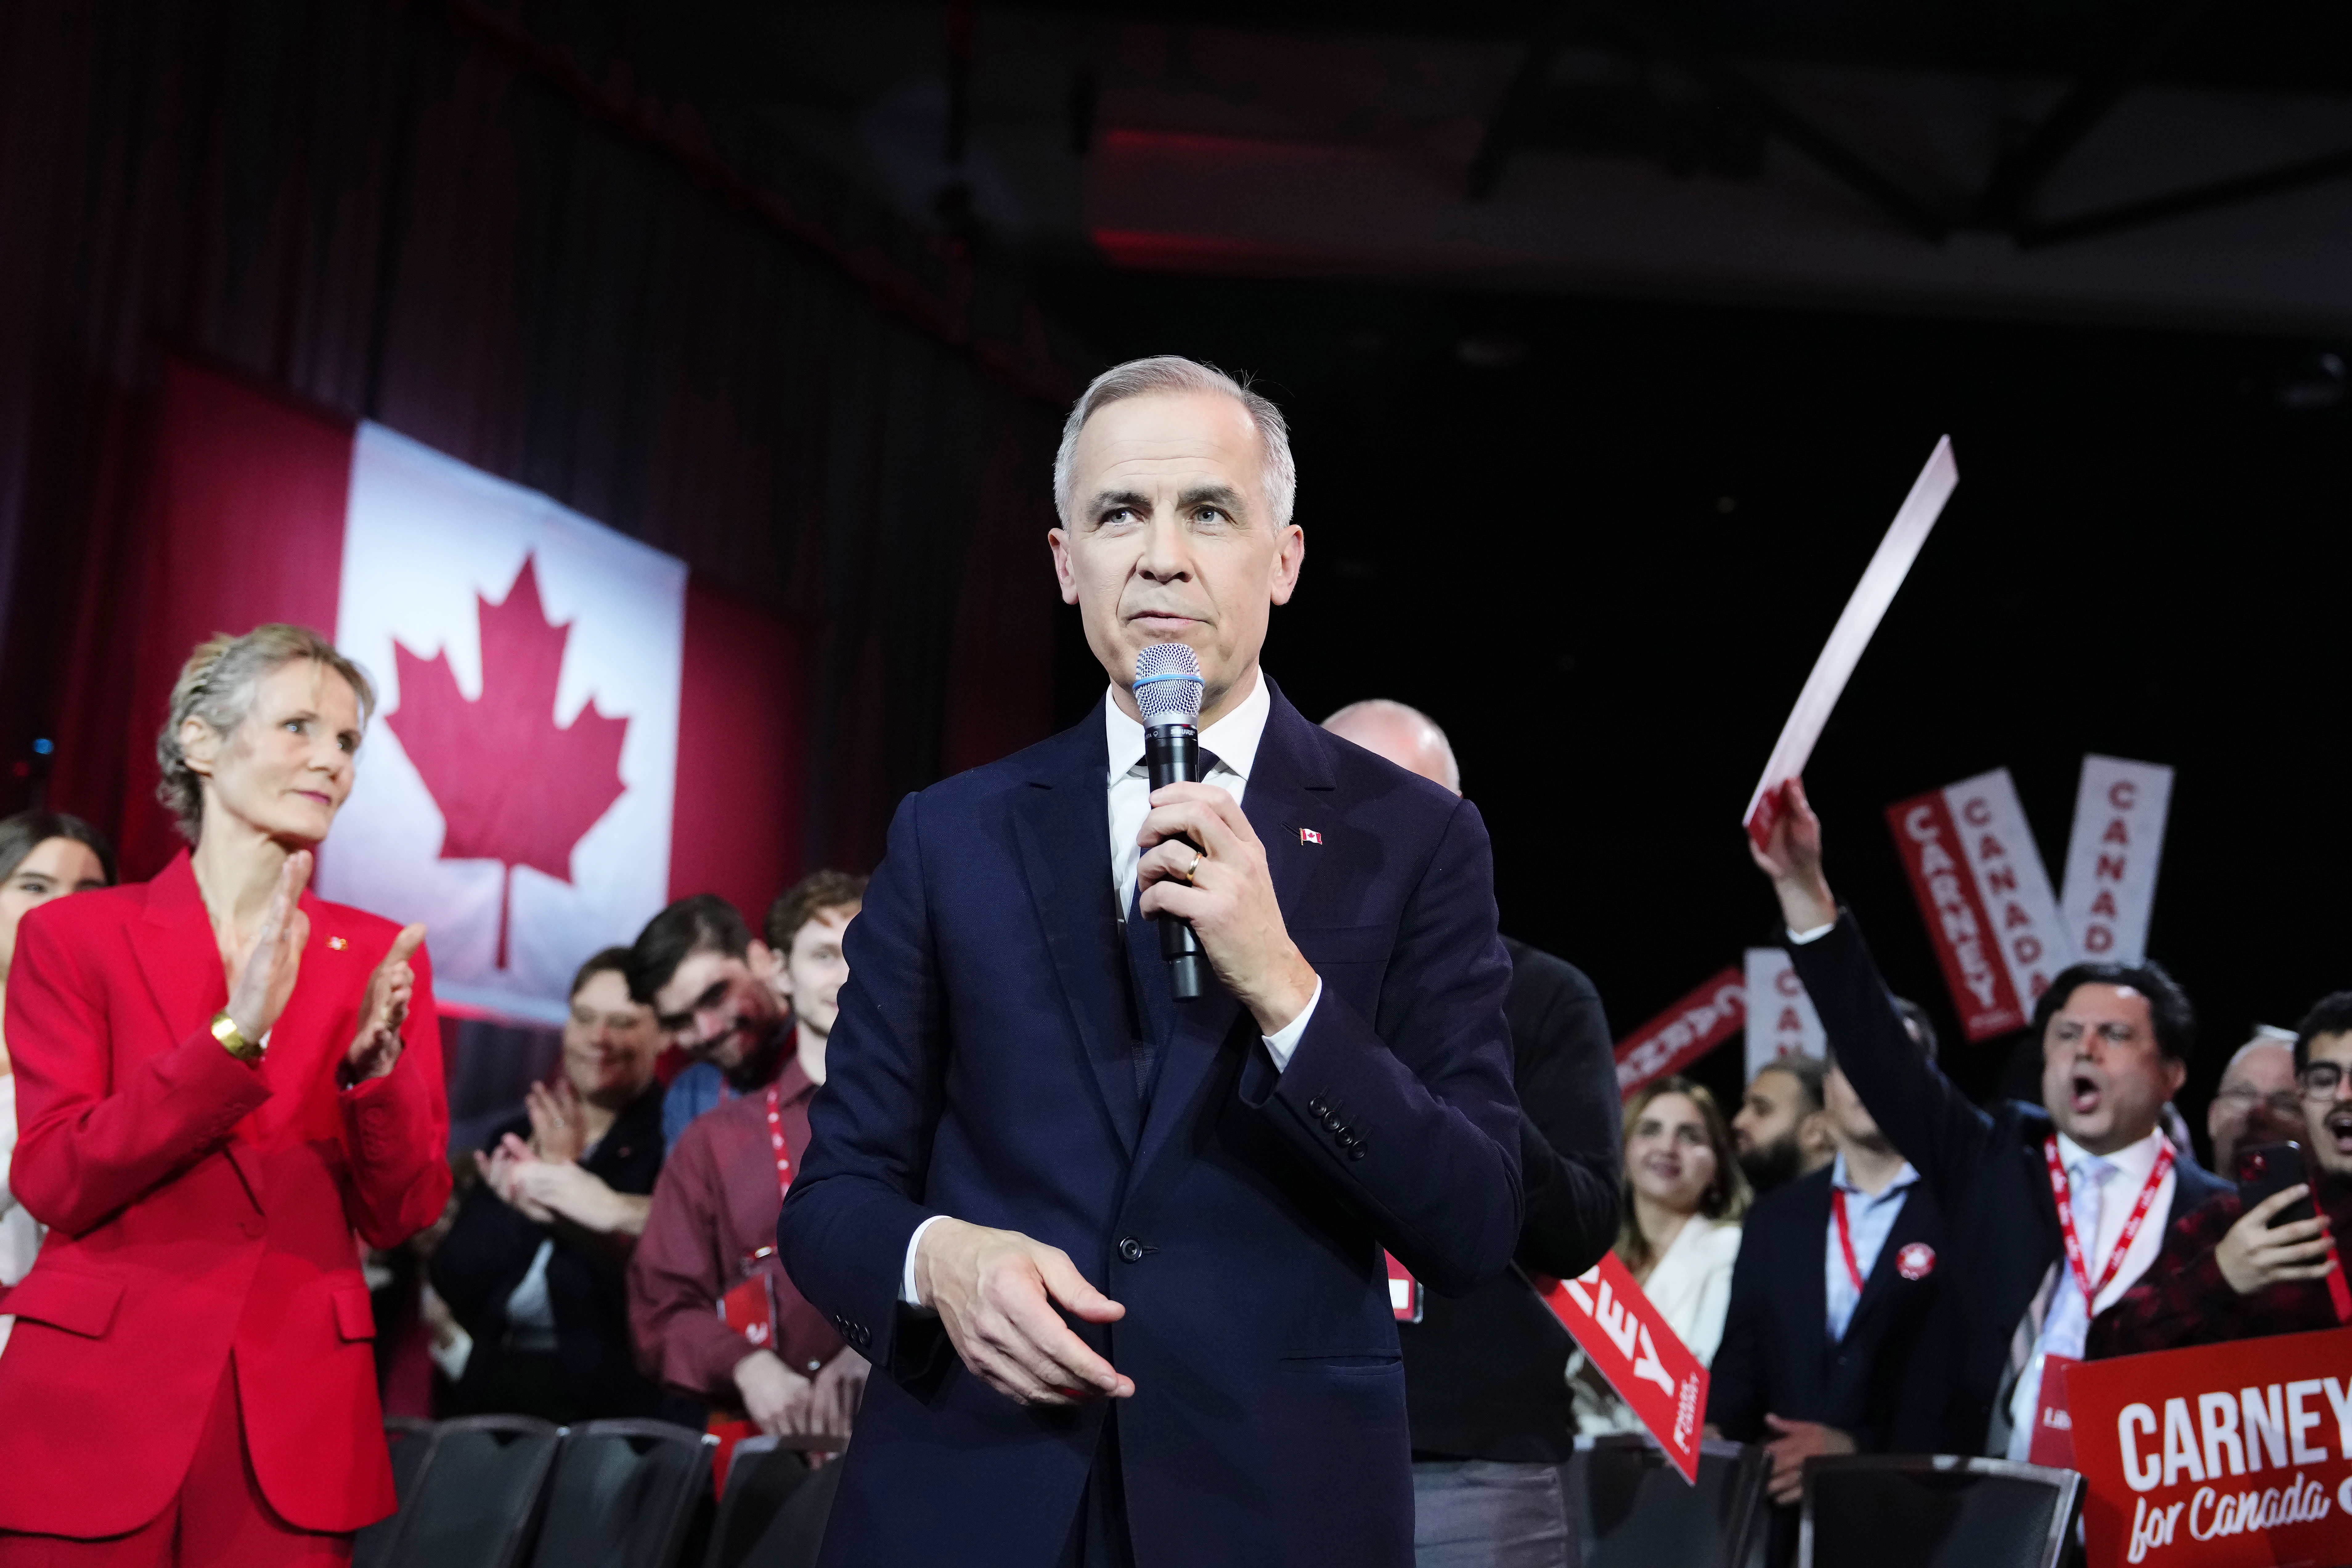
[(2114, 1039), (1833, 1343), (1118, 1258)]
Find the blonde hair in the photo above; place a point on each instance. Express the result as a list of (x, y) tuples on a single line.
[(1727, 1197), (215, 686)]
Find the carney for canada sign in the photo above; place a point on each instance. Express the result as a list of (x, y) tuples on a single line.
[(2230, 1455)]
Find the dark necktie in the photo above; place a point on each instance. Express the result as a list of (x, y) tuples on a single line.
[(1153, 1004)]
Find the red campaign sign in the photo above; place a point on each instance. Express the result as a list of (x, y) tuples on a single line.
[(1683, 1032), (2232, 1455), (1645, 1361), (1963, 935)]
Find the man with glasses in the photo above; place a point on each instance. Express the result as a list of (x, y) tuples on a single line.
[(2258, 1101), (2116, 1039), (2232, 1273)]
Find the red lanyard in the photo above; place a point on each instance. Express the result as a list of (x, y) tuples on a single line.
[(776, 1141), (2074, 1256), (1845, 1238)]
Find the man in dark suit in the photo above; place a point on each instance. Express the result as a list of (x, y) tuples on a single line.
[(2114, 1044), (1117, 1260), (1484, 1374), (1832, 1341)]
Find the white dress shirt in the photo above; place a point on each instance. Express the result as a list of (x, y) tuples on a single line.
[(2130, 1167), (1233, 741), (1869, 1221)]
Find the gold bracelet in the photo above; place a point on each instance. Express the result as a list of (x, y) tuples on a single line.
[(226, 1031)]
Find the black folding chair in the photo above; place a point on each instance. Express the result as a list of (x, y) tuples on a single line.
[(1948, 1512), (478, 1495), (1629, 1508), (623, 1495), (410, 1440), (776, 1507)]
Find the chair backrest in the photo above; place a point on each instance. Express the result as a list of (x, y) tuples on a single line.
[(774, 1510), (1627, 1506), (623, 1495), (410, 1441), (478, 1495), (1948, 1512)]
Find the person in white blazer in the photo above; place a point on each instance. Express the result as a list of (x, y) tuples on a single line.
[(1685, 1198)]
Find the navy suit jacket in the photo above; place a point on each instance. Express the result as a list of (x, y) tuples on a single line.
[(982, 1067), (1986, 1171), (1886, 1384)]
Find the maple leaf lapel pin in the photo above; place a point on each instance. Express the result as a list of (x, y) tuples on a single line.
[(1309, 836), (512, 784)]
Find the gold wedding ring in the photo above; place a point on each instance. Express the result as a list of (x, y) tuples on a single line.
[(1197, 859)]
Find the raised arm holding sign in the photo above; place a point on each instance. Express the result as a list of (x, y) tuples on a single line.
[(1863, 613)]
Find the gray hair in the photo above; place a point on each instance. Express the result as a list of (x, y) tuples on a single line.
[(216, 687), (1173, 373)]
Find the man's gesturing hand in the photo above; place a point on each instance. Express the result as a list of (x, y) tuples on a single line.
[(2256, 1254), (1792, 857), (995, 1291), (1228, 897)]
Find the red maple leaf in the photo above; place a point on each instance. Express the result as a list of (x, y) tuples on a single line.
[(512, 785)]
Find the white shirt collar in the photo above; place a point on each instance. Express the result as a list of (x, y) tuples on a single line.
[(1233, 738), (1839, 1178), (2133, 1162)]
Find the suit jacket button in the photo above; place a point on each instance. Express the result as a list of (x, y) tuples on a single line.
[(1332, 1123), (1315, 1107), (1349, 1138), (1355, 1150), (1130, 1249)]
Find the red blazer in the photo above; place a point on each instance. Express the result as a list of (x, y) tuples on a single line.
[(199, 1207)]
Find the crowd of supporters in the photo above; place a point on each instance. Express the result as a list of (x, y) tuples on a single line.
[(1869, 1261)]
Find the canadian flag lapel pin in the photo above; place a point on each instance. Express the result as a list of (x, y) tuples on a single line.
[(1309, 836)]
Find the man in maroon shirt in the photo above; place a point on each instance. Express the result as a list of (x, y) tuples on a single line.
[(2230, 1273), (713, 1223)]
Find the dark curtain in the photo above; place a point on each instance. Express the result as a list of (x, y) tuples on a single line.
[(415, 214)]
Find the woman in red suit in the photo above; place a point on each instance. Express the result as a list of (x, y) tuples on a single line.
[(221, 1078)]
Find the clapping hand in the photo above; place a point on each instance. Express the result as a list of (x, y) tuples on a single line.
[(558, 1133), (266, 979), (840, 1388), (502, 1170), (383, 1008)]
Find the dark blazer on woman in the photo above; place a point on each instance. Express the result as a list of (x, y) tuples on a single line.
[(489, 1248)]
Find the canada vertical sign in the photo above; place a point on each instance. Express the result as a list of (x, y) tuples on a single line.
[(1980, 884)]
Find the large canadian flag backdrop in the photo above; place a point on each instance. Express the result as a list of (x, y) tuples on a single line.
[(569, 731), (518, 789)]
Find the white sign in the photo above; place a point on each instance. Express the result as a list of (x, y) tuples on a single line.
[(1999, 850), (2111, 858), (1864, 611), (1781, 1016), (515, 790)]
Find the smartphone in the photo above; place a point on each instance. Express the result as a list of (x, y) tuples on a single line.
[(2267, 1169)]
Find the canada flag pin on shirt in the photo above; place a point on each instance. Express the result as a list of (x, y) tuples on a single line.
[(1916, 1261), (1309, 836)]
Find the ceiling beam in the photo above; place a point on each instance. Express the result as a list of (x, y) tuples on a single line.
[(2205, 197), (2019, 173)]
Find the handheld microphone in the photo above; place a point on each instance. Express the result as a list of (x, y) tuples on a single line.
[(1167, 687)]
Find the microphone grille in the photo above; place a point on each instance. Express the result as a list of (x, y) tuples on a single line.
[(1168, 684)]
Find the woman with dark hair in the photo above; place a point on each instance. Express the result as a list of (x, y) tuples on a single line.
[(221, 1079), (44, 855), (1685, 1198)]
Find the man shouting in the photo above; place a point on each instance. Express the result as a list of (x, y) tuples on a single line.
[(1117, 1259)]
